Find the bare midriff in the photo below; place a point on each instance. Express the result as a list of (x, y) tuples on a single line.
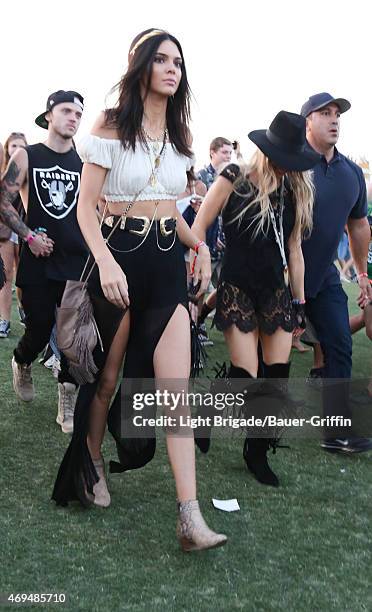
[(145, 208)]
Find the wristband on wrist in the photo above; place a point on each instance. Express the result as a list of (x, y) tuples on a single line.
[(30, 237), (299, 302), (362, 275), (198, 245), (192, 267)]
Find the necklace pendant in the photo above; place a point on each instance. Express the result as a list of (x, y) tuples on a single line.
[(157, 162), (286, 275)]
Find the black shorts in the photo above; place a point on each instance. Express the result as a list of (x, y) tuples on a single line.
[(265, 308)]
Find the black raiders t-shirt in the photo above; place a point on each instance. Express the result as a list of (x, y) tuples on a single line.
[(54, 185)]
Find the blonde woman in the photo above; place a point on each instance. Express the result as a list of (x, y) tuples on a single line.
[(266, 210)]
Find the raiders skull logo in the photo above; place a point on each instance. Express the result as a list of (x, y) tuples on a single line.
[(57, 190)]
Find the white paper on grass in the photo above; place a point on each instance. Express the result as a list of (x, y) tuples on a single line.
[(228, 505)]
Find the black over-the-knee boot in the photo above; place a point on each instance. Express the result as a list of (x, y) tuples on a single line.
[(225, 381), (202, 433), (255, 449)]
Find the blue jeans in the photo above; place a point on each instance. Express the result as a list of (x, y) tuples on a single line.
[(328, 312)]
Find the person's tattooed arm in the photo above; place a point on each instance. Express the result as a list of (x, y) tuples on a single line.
[(10, 186), (12, 182)]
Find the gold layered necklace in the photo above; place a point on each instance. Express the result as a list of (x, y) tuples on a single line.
[(153, 145)]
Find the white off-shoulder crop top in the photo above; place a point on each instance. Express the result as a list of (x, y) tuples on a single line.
[(129, 171)]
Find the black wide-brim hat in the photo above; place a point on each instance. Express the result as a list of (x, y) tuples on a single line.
[(285, 144)]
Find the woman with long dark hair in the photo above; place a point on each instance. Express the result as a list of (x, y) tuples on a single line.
[(266, 209), (137, 157), (9, 248)]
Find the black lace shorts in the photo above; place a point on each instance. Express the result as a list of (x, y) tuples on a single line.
[(266, 309)]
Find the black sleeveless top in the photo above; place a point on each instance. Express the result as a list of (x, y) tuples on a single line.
[(253, 262), (54, 185)]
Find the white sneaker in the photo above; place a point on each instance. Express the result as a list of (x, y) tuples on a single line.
[(22, 381), (49, 363), (4, 328), (67, 394)]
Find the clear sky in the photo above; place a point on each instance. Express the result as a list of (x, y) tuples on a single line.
[(245, 60)]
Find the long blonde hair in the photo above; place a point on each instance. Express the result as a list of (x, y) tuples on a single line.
[(300, 183)]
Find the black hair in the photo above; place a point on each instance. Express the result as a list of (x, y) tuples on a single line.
[(127, 115)]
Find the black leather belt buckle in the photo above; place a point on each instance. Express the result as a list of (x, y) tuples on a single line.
[(138, 225), (167, 225)]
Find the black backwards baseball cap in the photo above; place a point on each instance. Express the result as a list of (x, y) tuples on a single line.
[(318, 101), (58, 97)]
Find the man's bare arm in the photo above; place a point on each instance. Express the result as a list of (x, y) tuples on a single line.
[(15, 179), (12, 182)]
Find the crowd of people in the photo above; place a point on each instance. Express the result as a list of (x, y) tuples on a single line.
[(128, 216)]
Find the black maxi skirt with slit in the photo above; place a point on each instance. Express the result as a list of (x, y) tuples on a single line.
[(157, 285)]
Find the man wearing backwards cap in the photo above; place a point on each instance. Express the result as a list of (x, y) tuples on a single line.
[(340, 200), (47, 175)]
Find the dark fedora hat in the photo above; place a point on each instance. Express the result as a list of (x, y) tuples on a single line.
[(285, 144)]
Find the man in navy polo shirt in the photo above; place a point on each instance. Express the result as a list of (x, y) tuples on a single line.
[(340, 200)]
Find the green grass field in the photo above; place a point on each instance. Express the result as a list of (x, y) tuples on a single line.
[(304, 546)]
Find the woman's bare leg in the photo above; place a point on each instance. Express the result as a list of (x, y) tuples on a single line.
[(276, 348), (172, 361), (243, 349), (7, 254), (106, 388), (172, 365)]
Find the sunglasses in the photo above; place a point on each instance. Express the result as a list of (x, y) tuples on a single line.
[(20, 134)]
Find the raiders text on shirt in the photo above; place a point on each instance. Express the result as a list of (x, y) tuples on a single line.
[(56, 189)]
